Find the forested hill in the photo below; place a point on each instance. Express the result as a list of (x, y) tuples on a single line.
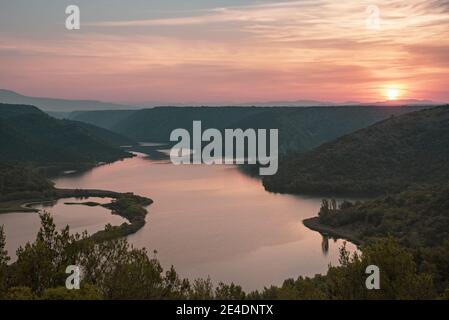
[(385, 157), (18, 179), (300, 128), (107, 136), (12, 110), (29, 135), (418, 219)]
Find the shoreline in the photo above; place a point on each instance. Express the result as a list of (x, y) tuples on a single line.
[(136, 218), (315, 225), (23, 205)]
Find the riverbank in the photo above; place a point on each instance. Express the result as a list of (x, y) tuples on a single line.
[(23, 202), (127, 205), (340, 233)]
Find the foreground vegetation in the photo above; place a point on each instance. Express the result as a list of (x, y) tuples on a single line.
[(111, 270), (114, 270), (417, 219)]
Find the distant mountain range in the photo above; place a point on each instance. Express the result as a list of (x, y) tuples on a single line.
[(60, 107), (300, 128), (314, 103), (402, 102), (300, 103)]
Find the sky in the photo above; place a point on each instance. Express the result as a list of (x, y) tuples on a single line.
[(221, 52)]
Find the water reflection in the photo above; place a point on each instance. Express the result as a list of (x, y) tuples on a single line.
[(22, 227), (217, 221), (325, 245)]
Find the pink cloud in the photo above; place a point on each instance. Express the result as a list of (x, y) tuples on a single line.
[(284, 51)]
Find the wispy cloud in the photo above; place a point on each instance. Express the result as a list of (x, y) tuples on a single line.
[(318, 49), (250, 13)]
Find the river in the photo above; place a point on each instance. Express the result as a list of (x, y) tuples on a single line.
[(205, 220)]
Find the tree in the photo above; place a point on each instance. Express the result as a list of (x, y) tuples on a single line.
[(399, 278), (20, 293), (202, 289), (324, 210), (229, 292), (137, 277), (4, 258), (86, 292), (334, 204), (111, 269), (42, 264)]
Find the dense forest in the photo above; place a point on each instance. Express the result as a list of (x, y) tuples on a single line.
[(300, 129), (106, 136), (385, 157), (28, 135), (417, 219), (18, 181)]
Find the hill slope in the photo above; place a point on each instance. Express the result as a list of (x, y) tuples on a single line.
[(385, 157), (16, 178), (300, 129), (107, 136), (29, 135), (106, 119), (416, 218)]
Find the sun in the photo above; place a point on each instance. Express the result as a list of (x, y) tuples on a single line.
[(392, 93)]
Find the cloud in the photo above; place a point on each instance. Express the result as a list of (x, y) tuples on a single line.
[(274, 51), (249, 13)]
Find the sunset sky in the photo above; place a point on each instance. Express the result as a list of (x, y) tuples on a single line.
[(234, 51)]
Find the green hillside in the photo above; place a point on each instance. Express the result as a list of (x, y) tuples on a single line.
[(31, 136), (300, 128), (385, 157), (418, 219), (16, 179), (106, 119), (107, 136), (12, 110)]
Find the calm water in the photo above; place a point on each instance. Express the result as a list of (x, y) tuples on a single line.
[(22, 227), (216, 221)]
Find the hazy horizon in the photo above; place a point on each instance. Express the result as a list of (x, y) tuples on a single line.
[(117, 105)]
